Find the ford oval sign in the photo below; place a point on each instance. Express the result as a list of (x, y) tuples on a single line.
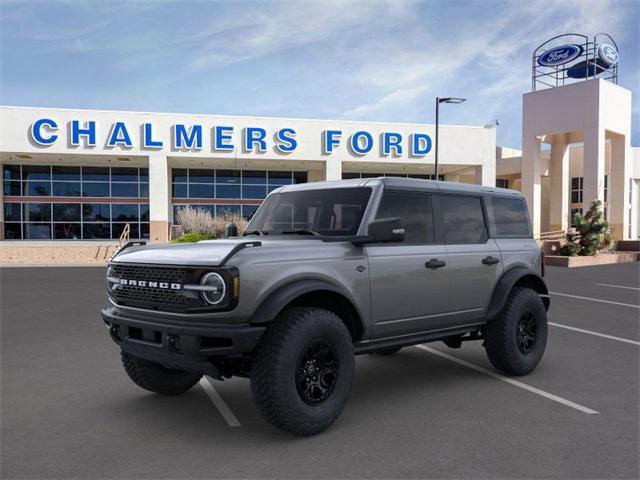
[(560, 55), (608, 54)]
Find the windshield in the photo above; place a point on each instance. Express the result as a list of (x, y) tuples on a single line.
[(326, 212)]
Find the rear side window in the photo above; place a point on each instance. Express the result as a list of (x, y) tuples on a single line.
[(463, 219), (414, 210), (510, 217)]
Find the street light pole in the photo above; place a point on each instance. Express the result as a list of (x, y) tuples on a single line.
[(438, 102), (435, 177)]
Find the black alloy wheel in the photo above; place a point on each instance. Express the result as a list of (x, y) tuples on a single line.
[(526, 332), (317, 372)]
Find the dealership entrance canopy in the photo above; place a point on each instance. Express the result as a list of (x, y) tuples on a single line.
[(84, 174)]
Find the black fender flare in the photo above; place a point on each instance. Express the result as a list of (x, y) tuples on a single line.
[(285, 294), (508, 280)]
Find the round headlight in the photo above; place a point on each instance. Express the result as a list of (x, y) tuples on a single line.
[(215, 288)]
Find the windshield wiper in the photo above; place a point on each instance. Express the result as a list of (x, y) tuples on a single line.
[(302, 231), (255, 232)]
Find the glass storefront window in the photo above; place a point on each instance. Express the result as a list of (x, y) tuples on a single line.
[(95, 189), (12, 212), (37, 231), (197, 190), (96, 212), (70, 231), (124, 212), (95, 174), (73, 221), (66, 212), (36, 172), (66, 173), (37, 212), (124, 189), (12, 188), (37, 189), (66, 189)]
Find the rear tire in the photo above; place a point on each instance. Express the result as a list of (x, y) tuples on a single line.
[(302, 370), (156, 378), (516, 339)]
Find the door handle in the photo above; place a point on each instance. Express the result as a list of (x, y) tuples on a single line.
[(490, 260), (435, 263)]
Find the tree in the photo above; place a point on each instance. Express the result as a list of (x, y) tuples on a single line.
[(592, 233)]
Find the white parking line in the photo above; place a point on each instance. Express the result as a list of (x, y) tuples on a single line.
[(617, 286), (595, 300), (511, 381), (227, 414), (590, 332)]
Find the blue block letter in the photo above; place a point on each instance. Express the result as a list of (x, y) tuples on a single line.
[(421, 144), (147, 138), (89, 131), (286, 140), (184, 139), (355, 142), (391, 140), (222, 136), (119, 136), (331, 139), (253, 136), (36, 131)]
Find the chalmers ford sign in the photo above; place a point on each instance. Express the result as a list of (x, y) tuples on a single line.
[(45, 132)]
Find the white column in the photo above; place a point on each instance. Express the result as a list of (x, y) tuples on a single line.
[(593, 166), (559, 204), (333, 169), (485, 174), (159, 197), (618, 188), (531, 172)]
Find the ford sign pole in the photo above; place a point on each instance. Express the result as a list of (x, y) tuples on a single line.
[(438, 102)]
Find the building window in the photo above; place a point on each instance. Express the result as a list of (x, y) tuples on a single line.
[(65, 214), (349, 175), (576, 189), (573, 212), (502, 183), (208, 185)]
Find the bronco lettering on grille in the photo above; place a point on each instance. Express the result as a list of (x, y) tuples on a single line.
[(150, 284)]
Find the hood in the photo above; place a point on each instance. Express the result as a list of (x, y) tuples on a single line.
[(207, 253)]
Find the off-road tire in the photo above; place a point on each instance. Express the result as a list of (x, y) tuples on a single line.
[(156, 378), (388, 351), (501, 334), (276, 367)]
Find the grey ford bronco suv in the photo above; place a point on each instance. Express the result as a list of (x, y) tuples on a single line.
[(326, 271)]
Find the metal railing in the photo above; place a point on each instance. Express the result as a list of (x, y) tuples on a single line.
[(554, 234), (124, 236)]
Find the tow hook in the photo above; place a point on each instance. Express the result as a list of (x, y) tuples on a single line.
[(114, 331), (173, 343)]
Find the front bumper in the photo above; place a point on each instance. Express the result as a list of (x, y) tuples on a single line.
[(180, 345)]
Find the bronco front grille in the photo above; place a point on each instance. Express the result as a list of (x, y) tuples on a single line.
[(156, 298)]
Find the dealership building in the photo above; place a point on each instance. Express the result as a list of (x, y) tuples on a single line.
[(86, 174)]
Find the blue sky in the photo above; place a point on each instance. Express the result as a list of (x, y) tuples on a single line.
[(367, 60)]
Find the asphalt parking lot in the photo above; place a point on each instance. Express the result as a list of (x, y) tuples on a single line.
[(68, 410)]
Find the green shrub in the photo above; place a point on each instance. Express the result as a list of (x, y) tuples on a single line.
[(591, 235), (193, 237)]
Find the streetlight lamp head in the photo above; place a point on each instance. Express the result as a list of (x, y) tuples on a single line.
[(451, 100)]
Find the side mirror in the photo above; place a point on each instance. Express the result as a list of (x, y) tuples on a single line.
[(230, 230), (386, 230)]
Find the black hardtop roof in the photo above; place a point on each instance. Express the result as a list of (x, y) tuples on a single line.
[(402, 183)]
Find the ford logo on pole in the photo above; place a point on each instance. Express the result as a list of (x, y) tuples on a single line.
[(560, 55), (608, 54)]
